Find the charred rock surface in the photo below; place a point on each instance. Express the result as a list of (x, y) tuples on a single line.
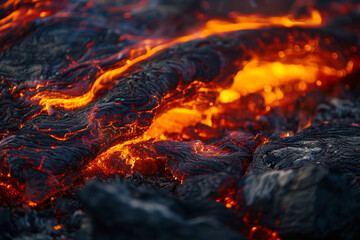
[(211, 186), (323, 203), (331, 145), (306, 203), (123, 211), (338, 110), (33, 224), (192, 158)]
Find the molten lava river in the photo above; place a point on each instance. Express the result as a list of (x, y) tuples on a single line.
[(160, 119)]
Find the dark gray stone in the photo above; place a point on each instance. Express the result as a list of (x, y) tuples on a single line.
[(123, 212), (305, 203), (332, 145)]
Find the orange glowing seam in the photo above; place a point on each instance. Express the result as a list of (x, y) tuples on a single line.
[(32, 204), (256, 21), (105, 81), (270, 234), (10, 2), (124, 151), (58, 227), (5, 185), (21, 16)]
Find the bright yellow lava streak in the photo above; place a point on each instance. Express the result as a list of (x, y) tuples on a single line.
[(48, 99)]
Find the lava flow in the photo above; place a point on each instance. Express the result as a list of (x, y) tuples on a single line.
[(278, 68), (93, 91), (153, 47)]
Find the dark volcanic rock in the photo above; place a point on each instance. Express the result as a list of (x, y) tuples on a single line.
[(212, 186), (308, 203), (5, 225), (192, 158), (333, 145), (204, 186), (128, 212), (31, 224), (338, 110)]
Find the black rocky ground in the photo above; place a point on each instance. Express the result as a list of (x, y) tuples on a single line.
[(306, 203)]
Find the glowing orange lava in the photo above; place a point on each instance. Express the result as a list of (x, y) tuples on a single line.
[(270, 79), (22, 16), (58, 227), (106, 80)]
